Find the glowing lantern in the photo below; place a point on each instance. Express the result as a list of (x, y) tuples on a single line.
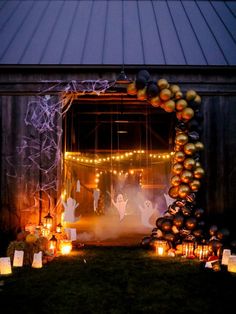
[(232, 264), (188, 249), (48, 221), (59, 228), (53, 244), (202, 251), (65, 247), (225, 256), (160, 247), (5, 266), (18, 258), (37, 260)]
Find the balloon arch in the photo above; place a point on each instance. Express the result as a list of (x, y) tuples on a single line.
[(183, 221)]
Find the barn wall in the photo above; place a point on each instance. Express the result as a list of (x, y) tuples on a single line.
[(22, 198), (219, 136)]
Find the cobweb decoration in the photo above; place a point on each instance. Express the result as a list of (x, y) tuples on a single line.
[(40, 150)]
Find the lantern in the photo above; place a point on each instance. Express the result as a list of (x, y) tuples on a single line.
[(65, 247), (18, 258), (202, 251), (225, 256), (188, 249), (48, 221), (232, 264), (160, 246), (5, 266), (53, 244), (37, 260), (59, 228)]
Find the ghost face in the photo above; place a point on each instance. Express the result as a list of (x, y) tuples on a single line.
[(148, 204), (120, 198)]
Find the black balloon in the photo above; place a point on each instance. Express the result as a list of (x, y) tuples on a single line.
[(152, 90), (193, 125), (201, 224), (178, 220), (213, 229), (214, 246), (159, 222), (140, 83), (144, 73), (170, 237), (223, 234), (146, 241), (198, 233), (199, 212), (166, 225), (180, 203), (186, 210), (191, 223), (180, 126)]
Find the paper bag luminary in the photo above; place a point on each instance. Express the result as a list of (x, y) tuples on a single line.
[(37, 261), (5, 266), (18, 258)]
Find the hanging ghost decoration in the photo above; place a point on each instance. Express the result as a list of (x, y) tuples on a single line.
[(70, 205), (78, 186), (96, 195), (147, 210), (120, 205)]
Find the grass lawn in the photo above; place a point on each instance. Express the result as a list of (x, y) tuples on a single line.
[(118, 280)]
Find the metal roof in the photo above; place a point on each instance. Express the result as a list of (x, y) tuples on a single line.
[(129, 32)]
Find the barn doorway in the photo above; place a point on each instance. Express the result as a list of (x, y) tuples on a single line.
[(116, 146)]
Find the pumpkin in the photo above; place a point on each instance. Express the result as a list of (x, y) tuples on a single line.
[(31, 238)]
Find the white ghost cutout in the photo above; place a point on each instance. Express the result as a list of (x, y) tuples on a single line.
[(70, 206), (120, 205), (96, 194), (146, 212)]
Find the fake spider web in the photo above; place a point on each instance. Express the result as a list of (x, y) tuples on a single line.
[(40, 150)]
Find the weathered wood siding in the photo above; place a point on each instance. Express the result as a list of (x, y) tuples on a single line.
[(218, 93)]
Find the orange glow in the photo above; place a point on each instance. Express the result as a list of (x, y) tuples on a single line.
[(65, 247)]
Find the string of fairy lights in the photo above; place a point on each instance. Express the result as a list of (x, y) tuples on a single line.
[(99, 160), (119, 164)]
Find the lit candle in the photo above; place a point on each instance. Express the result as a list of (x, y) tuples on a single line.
[(5, 266)]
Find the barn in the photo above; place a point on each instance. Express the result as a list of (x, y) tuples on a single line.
[(70, 127)]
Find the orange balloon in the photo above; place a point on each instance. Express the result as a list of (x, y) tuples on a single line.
[(175, 180), (181, 104), (199, 173), (184, 189), (189, 148), (165, 94), (141, 94), (155, 101), (190, 94), (179, 156), (189, 163), (177, 168), (181, 139), (199, 146), (186, 176), (169, 106), (173, 191), (131, 89), (187, 113), (195, 185)]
